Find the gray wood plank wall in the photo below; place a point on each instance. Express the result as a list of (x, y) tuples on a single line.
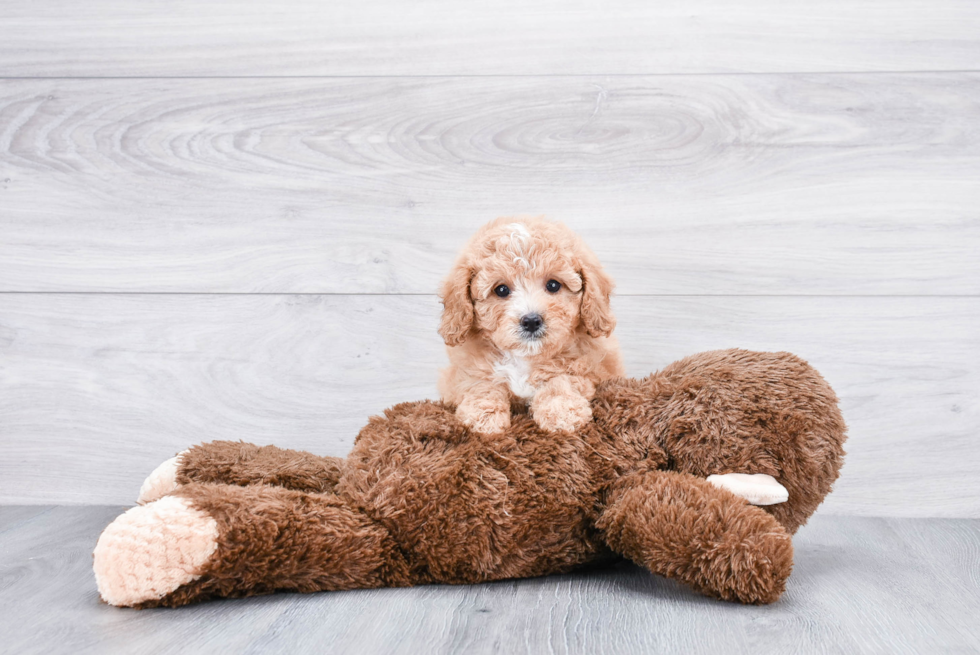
[(770, 184), (254, 255), (442, 37)]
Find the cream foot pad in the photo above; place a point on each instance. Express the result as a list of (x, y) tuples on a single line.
[(151, 550), (758, 489), (161, 482)]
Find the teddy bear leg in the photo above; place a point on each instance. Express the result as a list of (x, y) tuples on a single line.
[(205, 541), (683, 527), (242, 464)]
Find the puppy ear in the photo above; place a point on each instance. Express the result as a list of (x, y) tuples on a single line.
[(457, 305), (597, 287)]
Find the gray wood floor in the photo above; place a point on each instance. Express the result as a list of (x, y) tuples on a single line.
[(860, 585)]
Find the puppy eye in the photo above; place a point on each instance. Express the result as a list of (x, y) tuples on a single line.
[(553, 286), (502, 291)]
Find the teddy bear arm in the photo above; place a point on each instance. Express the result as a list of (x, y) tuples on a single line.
[(207, 540), (683, 527)]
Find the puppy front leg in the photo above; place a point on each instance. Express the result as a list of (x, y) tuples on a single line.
[(562, 403), (485, 407)]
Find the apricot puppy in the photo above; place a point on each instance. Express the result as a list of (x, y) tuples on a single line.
[(526, 319)]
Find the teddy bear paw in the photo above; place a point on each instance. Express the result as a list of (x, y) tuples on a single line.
[(153, 549), (161, 482), (564, 413), (758, 489)]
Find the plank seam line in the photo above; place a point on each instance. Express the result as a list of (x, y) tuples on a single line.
[(486, 75), (357, 293)]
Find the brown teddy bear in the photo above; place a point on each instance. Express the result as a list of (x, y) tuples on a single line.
[(423, 499)]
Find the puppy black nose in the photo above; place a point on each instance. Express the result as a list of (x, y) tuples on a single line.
[(531, 322)]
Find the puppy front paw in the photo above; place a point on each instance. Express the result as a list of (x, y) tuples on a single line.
[(562, 413), (161, 482), (482, 416)]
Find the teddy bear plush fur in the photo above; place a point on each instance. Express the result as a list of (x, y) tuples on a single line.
[(421, 498)]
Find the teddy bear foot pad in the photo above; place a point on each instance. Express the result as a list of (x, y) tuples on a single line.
[(153, 549), (758, 488), (161, 481)]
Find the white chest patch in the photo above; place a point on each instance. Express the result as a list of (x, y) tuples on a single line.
[(514, 370)]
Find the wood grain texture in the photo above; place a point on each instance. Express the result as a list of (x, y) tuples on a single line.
[(440, 37), (96, 390), (860, 585), (784, 184)]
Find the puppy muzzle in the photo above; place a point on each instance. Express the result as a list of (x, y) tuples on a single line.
[(532, 326)]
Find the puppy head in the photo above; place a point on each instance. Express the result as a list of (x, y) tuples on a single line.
[(526, 285)]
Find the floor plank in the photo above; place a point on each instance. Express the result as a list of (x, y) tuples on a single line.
[(773, 184), (96, 390), (48, 601), (437, 37), (859, 585)]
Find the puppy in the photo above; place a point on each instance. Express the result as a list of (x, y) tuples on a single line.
[(526, 318)]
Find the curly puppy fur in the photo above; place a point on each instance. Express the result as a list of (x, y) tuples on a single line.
[(422, 498), (526, 319)]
